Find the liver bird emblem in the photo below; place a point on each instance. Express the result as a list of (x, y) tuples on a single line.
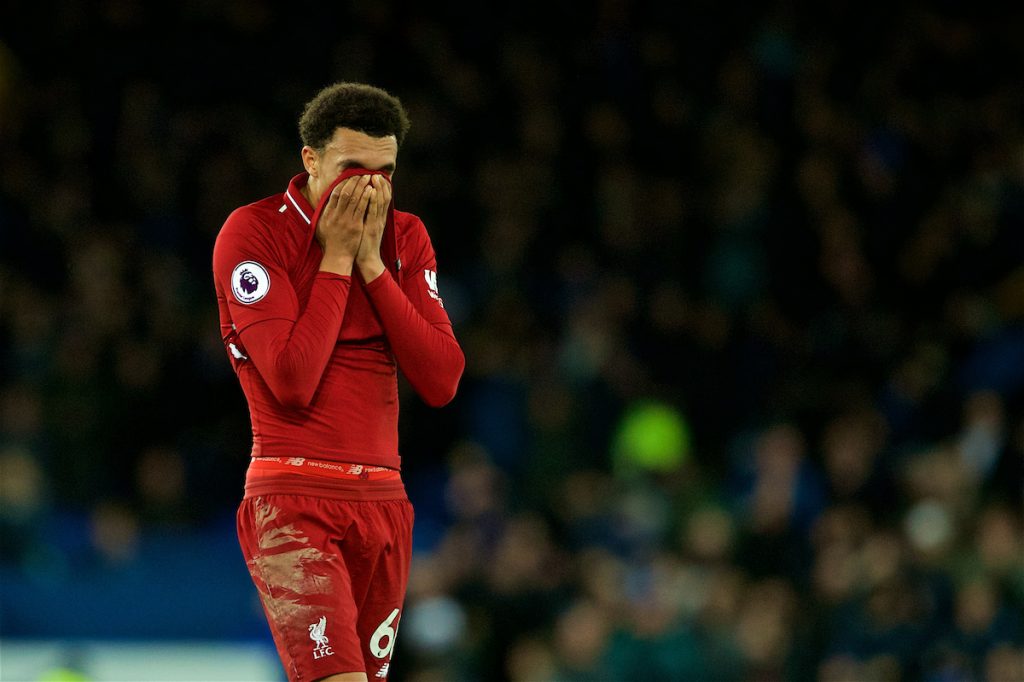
[(316, 631)]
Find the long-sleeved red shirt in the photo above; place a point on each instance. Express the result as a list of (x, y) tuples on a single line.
[(315, 352)]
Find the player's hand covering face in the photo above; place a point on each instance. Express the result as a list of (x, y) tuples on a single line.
[(368, 256), (341, 225)]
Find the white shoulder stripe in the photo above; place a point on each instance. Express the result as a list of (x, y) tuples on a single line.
[(304, 216)]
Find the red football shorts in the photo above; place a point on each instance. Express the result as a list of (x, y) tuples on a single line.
[(332, 576)]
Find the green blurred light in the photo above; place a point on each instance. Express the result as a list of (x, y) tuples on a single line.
[(652, 436)]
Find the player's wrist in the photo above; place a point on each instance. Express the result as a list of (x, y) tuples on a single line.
[(370, 268), (339, 264)]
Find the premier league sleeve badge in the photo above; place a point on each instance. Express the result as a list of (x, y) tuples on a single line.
[(250, 282)]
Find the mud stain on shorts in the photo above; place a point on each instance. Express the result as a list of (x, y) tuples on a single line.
[(287, 576), (274, 536), (294, 571), (265, 513)]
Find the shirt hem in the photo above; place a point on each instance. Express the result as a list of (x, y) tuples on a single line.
[(315, 486)]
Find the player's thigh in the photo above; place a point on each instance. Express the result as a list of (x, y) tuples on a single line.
[(290, 547), (381, 583)]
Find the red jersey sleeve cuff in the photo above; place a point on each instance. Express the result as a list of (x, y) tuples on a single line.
[(323, 274), (380, 285)]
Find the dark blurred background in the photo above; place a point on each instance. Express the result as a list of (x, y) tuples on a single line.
[(740, 287)]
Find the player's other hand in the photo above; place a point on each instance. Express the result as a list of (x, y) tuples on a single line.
[(368, 257), (341, 225)]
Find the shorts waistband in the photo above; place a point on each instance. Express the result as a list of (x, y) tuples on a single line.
[(263, 466)]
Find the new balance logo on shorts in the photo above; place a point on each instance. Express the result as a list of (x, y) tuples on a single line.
[(316, 633)]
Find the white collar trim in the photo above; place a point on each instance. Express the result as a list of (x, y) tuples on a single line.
[(296, 205)]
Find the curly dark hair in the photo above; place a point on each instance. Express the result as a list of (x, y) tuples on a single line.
[(356, 106)]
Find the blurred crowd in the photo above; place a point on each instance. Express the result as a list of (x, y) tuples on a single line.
[(740, 288)]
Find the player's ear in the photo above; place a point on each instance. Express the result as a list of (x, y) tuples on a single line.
[(311, 161)]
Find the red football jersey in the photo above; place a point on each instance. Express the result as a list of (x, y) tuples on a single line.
[(316, 352)]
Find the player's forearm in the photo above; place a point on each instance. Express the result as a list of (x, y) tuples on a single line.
[(428, 355), (291, 356), (337, 262)]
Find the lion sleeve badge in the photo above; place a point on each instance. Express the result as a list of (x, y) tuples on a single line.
[(250, 282)]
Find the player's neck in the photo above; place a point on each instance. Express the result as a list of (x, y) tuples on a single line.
[(312, 193)]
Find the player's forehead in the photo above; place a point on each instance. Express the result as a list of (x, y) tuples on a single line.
[(348, 145)]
